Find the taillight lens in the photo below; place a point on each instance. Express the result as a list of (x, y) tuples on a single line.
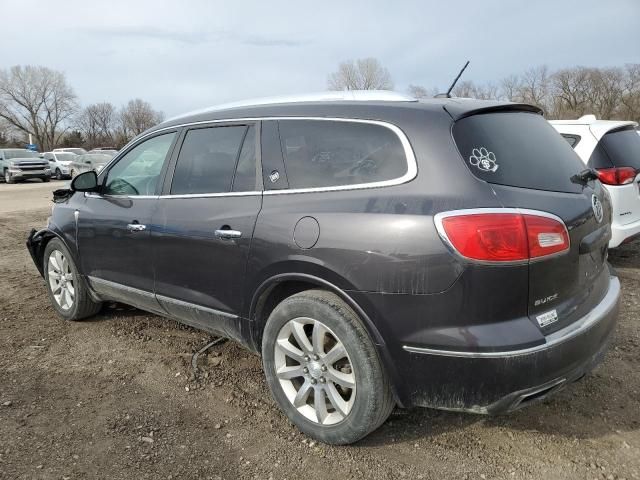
[(616, 176), (504, 237)]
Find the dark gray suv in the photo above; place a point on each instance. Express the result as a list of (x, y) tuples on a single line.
[(448, 253)]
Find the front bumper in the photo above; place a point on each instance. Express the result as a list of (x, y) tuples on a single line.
[(23, 174), (502, 381)]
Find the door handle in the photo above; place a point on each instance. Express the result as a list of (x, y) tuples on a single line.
[(136, 227), (227, 234)]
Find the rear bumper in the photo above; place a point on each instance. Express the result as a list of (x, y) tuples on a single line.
[(505, 380), (620, 233)]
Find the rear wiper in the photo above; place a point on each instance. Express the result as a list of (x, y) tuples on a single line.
[(584, 176)]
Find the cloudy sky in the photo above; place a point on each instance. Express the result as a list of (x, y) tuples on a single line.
[(182, 55)]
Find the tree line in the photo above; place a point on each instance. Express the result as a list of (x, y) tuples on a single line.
[(39, 101), (608, 93)]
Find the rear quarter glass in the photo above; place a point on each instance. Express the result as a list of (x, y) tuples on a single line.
[(618, 148), (517, 149)]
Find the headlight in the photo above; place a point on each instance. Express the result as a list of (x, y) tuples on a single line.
[(13, 164)]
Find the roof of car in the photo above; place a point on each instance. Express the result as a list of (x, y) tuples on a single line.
[(370, 104), (598, 127)]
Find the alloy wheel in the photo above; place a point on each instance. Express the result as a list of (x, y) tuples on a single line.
[(314, 371), (61, 280)]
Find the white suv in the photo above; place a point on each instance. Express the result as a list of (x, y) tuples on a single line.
[(59, 163), (612, 148)]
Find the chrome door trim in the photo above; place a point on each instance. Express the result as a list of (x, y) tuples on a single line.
[(161, 298), (180, 303), (119, 286)]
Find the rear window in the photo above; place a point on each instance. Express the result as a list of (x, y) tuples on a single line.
[(517, 149), (619, 148), (325, 153)]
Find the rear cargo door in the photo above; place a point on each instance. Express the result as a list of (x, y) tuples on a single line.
[(530, 166), (620, 148)]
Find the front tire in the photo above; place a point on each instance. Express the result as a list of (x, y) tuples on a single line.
[(46, 179), (8, 178), (58, 174), (323, 369), (67, 289)]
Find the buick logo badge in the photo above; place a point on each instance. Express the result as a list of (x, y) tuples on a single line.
[(596, 204)]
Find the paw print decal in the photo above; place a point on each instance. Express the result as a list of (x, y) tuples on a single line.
[(483, 159)]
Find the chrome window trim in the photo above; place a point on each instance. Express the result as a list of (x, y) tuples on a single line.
[(606, 305), (437, 219), (142, 197), (212, 195), (410, 158)]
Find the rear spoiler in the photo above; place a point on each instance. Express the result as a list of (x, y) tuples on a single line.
[(458, 110)]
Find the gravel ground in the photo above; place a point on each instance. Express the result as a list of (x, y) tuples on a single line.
[(114, 397)]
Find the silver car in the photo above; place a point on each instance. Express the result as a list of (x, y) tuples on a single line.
[(88, 162)]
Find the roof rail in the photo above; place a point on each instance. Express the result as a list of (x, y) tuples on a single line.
[(329, 96)]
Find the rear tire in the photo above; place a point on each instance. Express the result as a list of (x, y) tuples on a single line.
[(67, 289), (336, 398)]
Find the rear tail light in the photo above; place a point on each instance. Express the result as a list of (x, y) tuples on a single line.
[(503, 237), (616, 176)]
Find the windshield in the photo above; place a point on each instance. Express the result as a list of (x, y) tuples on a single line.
[(517, 149), (18, 153), (65, 157), (619, 148)]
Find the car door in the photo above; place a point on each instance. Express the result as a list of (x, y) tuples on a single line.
[(205, 219), (114, 226)]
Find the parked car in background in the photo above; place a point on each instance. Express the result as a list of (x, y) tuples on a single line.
[(612, 148), (60, 162), (88, 162), (77, 151), (109, 151), (98, 149), (18, 164), (375, 250)]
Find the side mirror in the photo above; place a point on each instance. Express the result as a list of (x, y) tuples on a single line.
[(85, 182)]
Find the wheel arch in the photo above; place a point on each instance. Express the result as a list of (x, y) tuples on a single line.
[(37, 243), (280, 286)]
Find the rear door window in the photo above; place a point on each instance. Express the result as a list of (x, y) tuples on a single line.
[(207, 160), (619, 148), (517, 149), (325, 153)]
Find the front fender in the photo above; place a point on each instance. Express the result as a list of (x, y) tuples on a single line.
[(37, 242)]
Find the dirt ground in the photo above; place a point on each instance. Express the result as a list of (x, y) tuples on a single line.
[(113, 397)]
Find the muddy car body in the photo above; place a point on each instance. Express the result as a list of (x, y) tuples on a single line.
[(426, 245)]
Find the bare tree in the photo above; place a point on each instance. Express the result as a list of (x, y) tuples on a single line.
[(37, 100), (98, 123), (361, 74), (418, 91), (136, 117)]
